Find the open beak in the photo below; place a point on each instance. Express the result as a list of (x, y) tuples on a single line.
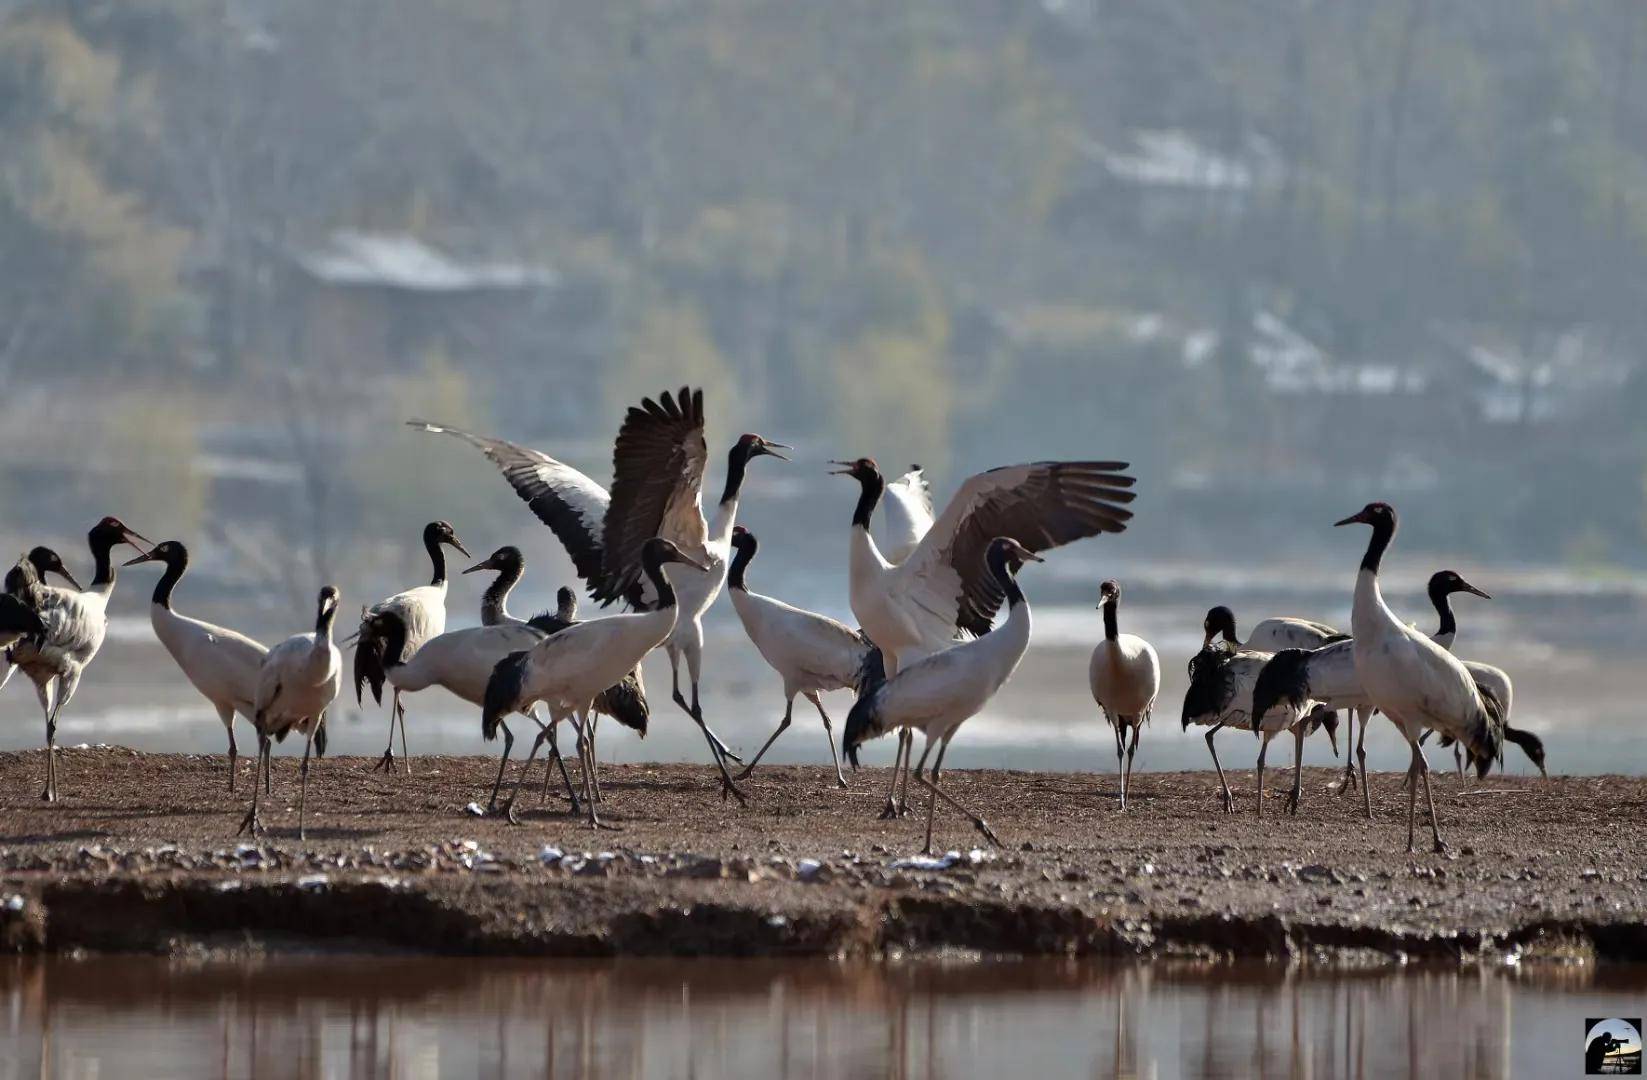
[(771, 449), (133, 537), (146, 557), (844, 470)]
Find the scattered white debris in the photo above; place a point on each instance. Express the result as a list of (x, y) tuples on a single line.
[(949, 859), (474, 809)]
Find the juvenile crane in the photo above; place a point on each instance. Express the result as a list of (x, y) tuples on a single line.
[(1125, 675), (658, 465), (297, 683), (1412, 680), (567, 670), (220, 663), (75, 623), (422, 611), (940, 692), (812, 653)]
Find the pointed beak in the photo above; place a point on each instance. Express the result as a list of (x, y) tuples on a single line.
[(1332, 737), (68, 577), (146, 557), (484, 564), (844, 470), (771, 449), (690, 561), (1025, 553), (1473, 591), (136, 539), (455, 542), (1353, 519)]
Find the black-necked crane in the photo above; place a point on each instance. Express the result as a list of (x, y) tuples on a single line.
[(510, 566), (624, 701), (1412, 680), (942, 690), (1220, 694), (1125, 676), (658, 467), (422, 610), (297, 683), (812, 653), (76, 621), (942, 592), (1327, 675), (461, 661), (568, 670), (1490, 680), (220, 663)]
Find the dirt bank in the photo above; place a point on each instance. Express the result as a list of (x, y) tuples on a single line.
[(141, 856)]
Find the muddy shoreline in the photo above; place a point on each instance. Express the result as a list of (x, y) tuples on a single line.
[(141, 856)]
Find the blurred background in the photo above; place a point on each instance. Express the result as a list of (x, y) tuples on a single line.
[(1285, 256)]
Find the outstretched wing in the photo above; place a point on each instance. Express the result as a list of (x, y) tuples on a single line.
[(563, 498), (657, 476), (908, 508), (1043, 505)]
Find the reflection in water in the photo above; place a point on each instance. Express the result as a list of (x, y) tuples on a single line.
[(325, 1016)]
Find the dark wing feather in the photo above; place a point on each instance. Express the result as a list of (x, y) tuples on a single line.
[(566, 500), (657, 473), (1042, 505)]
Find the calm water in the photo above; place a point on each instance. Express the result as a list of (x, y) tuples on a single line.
[(344, 1016)]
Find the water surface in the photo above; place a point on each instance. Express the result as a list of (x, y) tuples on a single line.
[(348, 1016)]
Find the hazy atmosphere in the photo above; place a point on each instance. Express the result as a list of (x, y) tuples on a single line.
[(1163, 288), (1284, 257)]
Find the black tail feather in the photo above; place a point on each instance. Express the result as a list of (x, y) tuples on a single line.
[(626, 703), (16, 617), (1285, 678), (320, 741), (863, 723), (871, 671), (1486, 734), (504, 691), (1212, 684), (369, 670)]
